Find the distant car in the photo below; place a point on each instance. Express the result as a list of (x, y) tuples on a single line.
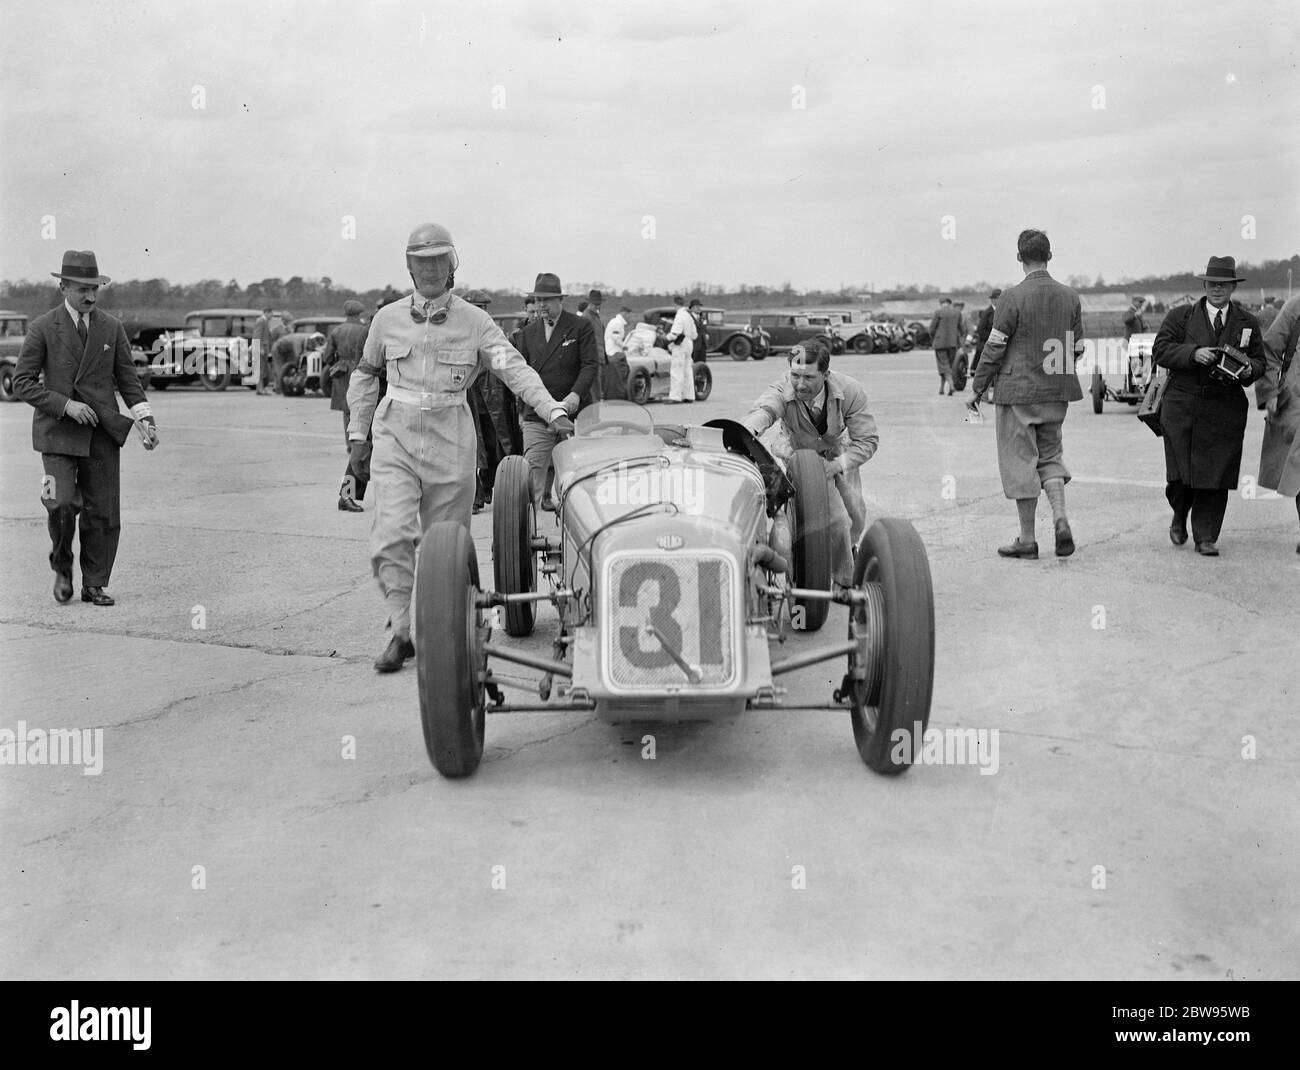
[(738, 340), (786, 330), (13, 329), (215, 348), (317, 324), (510, 321), (648, 373)]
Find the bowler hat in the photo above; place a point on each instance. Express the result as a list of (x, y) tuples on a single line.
[(547, 285), (595, 297), (1220, 269), (80, 267)]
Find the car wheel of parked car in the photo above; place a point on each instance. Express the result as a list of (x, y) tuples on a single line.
[(450, 658), (862, 344), (1098, 391), (891, 567), (879, 345), (740, 348), (514, 521), (7, 383), (810, 534), (905, 345), (703, 381), (638, 386), (960, 370), (215, 374)]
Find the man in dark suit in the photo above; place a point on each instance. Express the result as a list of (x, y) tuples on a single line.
[(1202, 416), (561, 348), (945, 332), (342, 354), (983, 328), (85, 356)]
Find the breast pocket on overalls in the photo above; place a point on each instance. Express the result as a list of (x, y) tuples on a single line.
[(454, 370)]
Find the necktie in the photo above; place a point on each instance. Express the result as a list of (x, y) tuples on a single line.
[(1218, 323), (81, 330)]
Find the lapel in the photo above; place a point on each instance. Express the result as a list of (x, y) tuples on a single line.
[(71, 340), (535, 342), (1234, 323), (95, 338), (563, 325)]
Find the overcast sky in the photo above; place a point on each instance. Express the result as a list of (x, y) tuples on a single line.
[(648, 144)]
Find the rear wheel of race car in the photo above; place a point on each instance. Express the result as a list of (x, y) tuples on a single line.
[(740, 348), (1098, 391), (892, 568), (810, 534), (862, 344), (514, 520), (703, 381), (638, 386), (960, 369), (449, 656), (215, 374)]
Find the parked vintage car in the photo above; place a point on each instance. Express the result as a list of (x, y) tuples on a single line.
[(13, 329), (215, 348), (738, 340), (316, 324), (682, 554), (785, 330)]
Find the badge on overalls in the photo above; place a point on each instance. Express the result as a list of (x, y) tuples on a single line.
[(458, 374)]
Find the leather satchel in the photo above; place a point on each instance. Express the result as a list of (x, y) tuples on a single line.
[(1152, 398)]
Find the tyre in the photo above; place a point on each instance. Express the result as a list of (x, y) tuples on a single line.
[(703, 381), (740, 348), (1098, 391), (905, 345), (159, 384), (960, 370), (291, 381), (449, 654), (514, 520), (892, 566), (638, 386), (7, 383), (810, 534), (215, 374), (862, 344), (879, 344)]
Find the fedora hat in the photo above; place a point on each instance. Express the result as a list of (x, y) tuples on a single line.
[(547, 285), (1220, 269), (79, 266)]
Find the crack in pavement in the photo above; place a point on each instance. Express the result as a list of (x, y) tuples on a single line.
[(1147, 748), (499, 751)]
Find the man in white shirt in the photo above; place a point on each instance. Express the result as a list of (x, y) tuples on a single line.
[(681, 342), (616, 371)]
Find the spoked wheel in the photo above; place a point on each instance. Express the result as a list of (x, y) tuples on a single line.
[(1098, 391), (638, 386), (215, 374), (739, 348), (703, 381), (810, 534), (960, 370), (450, 654), (862, 344), (514, 522), (893, 698)]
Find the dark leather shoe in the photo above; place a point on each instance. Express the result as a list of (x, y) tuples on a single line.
[(1207, 549), (395, 654), (96, 595), (62, 587), (1178, 530), (1020, 549), (548, 505), (1064, 538), (348, 505)]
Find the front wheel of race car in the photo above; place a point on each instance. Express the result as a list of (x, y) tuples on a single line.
[(810, 534), (638, 386), (891, 706), (1098, 391), (514, 521), (703, 381), (449, 654)]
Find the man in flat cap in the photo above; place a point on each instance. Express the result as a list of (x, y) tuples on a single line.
[(433, 345), (85, 357), (1203, 413)]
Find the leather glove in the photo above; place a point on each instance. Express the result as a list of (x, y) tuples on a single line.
[(562, 426), (148, 432)]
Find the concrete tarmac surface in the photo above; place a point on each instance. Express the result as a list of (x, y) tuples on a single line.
[(1141, 820)]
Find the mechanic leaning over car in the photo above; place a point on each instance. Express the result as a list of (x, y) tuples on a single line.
[(825, 411), (433, 345)]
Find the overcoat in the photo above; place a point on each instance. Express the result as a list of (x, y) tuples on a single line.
[(1279, 457), (1204, 421)]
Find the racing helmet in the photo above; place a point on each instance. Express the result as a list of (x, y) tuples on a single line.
[(433, 239)]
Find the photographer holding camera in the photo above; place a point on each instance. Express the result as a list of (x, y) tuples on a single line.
[(1212, 349)]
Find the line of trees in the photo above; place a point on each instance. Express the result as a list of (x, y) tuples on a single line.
[(319, 296)]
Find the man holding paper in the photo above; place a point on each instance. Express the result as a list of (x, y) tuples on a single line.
[(77, 428)]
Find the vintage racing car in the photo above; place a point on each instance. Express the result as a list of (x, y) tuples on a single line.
[(648, 375), (683, 553)]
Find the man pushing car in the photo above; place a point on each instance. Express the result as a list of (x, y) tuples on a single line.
[(433, 345), (825, 411)]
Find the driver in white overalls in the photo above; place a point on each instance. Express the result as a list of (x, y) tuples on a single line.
[(433, 345)]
